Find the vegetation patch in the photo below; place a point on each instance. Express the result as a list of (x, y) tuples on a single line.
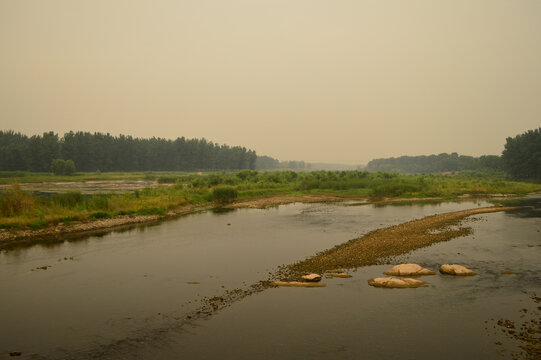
[(99, 215), (224, 194)]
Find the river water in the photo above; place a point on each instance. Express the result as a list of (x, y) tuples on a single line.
[(125, 295)]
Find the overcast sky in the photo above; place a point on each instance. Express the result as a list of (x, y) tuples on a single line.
[(341, 81)]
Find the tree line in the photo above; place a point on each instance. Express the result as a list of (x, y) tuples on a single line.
[(426, 164), (104, 152), (520, 159)]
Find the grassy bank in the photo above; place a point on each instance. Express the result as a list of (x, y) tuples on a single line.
[(19, 209)]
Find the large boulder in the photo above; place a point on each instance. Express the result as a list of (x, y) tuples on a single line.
[(455, 269), (408, 270), (390, 282)]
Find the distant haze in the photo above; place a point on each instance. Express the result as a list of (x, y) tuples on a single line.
[(321, 81)]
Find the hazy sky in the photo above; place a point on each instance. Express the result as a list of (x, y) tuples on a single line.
[(340, 81)]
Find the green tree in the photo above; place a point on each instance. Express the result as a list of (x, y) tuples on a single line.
[(522, 155), (62, 167)]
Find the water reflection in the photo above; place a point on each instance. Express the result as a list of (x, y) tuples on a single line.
[(133, 283)]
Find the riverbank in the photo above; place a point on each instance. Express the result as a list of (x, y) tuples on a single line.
[(55, 232), (54, 206), (16, 237)]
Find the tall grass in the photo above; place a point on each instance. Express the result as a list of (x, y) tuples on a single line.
[(19, 209)]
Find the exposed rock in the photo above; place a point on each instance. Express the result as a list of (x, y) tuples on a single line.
[(15, 353), (507, 272), (298, 284), (312, 277), (408, 270), (389, 282), (334, 271), (193, 283), (455, 269), (339, 275)]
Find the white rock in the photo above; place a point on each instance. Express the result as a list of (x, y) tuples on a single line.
[(455, 269), (408, 270), (312, 277), (389, 282)]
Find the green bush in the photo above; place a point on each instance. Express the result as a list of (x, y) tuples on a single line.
[(395, 189), (99, 215), (167, 179), (99, 202), (15, 201), (224, 194), (68, 200), (151, 211), (149, 176), (214, 179), (62, 167)]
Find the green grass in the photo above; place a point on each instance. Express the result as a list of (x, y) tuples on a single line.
[(22, 210)]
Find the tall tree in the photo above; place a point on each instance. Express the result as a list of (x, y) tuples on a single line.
[(522, 155)]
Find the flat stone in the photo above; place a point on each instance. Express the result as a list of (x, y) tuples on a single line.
[(390, 282), (507, 272), (408, 270), (455, 269), (312, 277), (298, 284), (339, 275), (334, 271)]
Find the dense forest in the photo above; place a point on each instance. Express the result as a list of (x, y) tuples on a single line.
[(521, 159), (522, 155), (104, 152), (269, 163), (426, 164)]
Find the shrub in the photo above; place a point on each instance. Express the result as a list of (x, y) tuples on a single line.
[(149, 176), (198, 182), (224, 194), (99, 215), (167, 179), (14, 201), (151, 211), (214, 179), (395, 189), (99, 202), (69, 200), (63, 167)]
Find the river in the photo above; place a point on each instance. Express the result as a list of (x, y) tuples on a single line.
[(125, 295)]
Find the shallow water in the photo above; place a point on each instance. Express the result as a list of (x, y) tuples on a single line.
[(121, 288)]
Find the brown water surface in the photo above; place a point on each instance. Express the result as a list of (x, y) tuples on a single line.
[(125, 295)]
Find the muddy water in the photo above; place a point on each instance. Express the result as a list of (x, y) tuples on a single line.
[(110, 296)]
